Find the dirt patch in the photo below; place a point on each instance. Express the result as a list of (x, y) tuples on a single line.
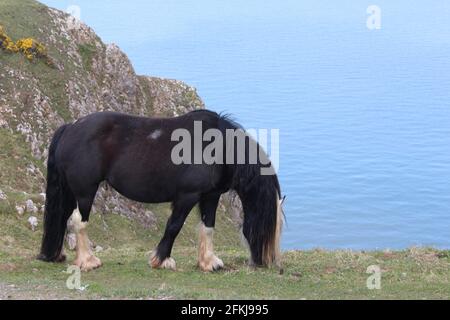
[(15, 292), (8, 267)]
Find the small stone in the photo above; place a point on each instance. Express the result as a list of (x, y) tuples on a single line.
[(20, 210), (3, 196), (98, 249), (33, 221), (31, 208)]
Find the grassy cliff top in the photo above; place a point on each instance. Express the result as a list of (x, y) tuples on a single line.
[(416, 273)]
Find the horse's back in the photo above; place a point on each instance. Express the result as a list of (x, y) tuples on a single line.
[(133, 154)]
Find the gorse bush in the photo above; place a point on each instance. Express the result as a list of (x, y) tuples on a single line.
[(6, 43), (29, 47)]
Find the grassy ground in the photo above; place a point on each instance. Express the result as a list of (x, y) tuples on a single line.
[(317, 274)]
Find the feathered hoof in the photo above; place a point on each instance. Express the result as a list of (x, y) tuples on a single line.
[(167, 263), (213, 263), (88, 263)]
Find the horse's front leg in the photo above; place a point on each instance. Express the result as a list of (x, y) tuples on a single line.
[(160, 257), (207, 260)]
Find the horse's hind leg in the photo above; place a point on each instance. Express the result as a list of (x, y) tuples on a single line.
[(84, 257), (207, 260), (160, 258)]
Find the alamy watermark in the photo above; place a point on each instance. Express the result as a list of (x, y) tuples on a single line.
[(73, 282), (373, 282), (373, 21), (232, 146)]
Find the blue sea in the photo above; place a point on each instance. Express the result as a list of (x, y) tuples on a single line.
[(363, 114)]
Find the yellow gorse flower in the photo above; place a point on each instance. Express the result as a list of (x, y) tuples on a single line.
[(28, 46), (25, 44), (31, 48)]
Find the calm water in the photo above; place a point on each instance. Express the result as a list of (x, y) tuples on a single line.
[(364, 116)]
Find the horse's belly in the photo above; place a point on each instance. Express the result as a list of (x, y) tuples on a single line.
[(142, 190)]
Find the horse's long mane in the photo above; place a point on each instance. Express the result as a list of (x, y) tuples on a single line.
[(260, 196), (225, 120)]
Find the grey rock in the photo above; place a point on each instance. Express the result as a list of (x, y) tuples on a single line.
[(30, 206), (33, 221), (20, 210)]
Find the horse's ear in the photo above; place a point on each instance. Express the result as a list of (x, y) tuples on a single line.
[(282, 200)]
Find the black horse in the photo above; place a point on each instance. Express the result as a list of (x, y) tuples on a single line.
[(135, 155)]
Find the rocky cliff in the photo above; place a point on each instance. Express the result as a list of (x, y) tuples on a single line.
[(85, 76)]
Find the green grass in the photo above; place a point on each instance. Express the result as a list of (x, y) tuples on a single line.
[(87, 52), (20, 19), (15, 156), (417, 273)]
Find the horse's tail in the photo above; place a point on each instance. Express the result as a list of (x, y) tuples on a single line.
[(260, 196), (59, 205)]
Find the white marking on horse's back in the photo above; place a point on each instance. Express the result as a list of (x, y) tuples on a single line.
[(155, 134)]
